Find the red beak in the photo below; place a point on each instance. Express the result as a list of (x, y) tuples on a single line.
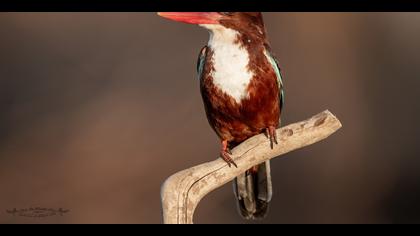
[(193, 17)]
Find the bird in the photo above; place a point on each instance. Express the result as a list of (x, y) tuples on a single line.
[(242, 91)]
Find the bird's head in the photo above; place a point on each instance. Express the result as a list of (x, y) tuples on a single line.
[(242, 22)]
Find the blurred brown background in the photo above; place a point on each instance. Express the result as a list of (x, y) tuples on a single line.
[(97, 109)]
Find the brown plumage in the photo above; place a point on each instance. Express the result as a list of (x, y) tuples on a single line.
[(236, 118), (236, 122)]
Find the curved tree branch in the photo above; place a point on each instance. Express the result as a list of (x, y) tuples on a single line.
[(182, 191)]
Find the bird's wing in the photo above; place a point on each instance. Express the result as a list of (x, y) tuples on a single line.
[(274, 63), (201, 61)]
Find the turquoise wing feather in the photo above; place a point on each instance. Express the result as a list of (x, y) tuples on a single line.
[(274, 63), (201, 61)]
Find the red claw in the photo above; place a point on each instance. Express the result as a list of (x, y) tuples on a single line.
[(224, 154)]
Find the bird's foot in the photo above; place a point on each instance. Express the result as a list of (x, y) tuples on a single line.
[(272, 135), (225, 154)]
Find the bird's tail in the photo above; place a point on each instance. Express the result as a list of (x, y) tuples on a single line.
[(253, 190)]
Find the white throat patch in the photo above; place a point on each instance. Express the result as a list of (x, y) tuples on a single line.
[(230, 61)]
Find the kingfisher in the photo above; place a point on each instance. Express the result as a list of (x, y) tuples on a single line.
[(242, 91)]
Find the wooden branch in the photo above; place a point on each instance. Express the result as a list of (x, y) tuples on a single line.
[(182, 191)]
